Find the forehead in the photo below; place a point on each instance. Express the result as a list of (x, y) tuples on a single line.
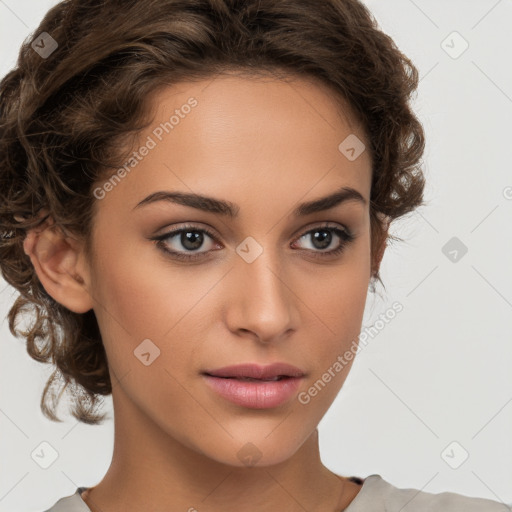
[(246, 138)]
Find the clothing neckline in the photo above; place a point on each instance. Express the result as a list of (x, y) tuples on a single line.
[(366, 483), (351, 507)]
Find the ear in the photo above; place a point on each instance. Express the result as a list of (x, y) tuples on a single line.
[(60, 264)]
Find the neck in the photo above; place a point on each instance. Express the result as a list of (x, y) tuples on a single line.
[(152, 470)]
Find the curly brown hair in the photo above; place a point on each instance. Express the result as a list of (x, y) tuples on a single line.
[(65, 119)]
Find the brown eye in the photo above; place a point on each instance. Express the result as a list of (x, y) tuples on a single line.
[(323, 237), (187, 239)]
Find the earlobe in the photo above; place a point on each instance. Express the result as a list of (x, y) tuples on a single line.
[(59, 262)]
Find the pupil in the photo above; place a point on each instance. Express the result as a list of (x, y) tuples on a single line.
[(192, 240), (324, 240)]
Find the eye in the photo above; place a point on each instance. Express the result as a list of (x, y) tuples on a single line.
[(323, 237), (191, 238)]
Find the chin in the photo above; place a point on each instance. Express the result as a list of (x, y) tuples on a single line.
[(259, 449)]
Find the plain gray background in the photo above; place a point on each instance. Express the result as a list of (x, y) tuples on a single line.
[(432, 386)]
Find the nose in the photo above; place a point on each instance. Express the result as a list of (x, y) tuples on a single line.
[(261, 299)]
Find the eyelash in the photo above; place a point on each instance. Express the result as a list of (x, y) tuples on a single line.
[(344, 234)]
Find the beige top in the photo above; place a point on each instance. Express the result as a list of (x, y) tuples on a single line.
[(375, 495)]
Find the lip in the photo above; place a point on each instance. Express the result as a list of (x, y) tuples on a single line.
[(230, 383), (255, 371)]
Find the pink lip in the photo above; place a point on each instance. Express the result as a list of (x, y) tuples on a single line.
[(255, 394)]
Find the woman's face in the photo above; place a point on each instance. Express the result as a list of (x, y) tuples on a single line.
[(265, 284)]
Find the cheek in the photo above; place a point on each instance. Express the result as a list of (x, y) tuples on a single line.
[(136, 289), (333, 345), (139, 297), (128, 305), (339, 292), (338, 306)]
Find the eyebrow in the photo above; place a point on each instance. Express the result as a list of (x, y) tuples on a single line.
[(227, 208)]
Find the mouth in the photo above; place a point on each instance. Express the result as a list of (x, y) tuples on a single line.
[(255, 387)]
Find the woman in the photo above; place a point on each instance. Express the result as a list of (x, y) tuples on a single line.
[(199, 195)]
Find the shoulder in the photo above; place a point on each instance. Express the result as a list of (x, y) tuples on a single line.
[(71, 503), (377, 491)]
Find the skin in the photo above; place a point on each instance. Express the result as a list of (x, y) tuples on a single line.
[(266, 145)]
